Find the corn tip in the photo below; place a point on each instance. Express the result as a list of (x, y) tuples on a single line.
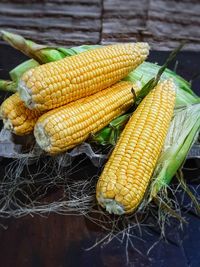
[(25, 94), (112, 206), (41, 136)]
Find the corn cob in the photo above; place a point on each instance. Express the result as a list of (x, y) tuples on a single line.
[(57, 83), (127, 173), (16, 117), (65, 127)]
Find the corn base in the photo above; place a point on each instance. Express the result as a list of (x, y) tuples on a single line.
[(7, 124), (43, 139), (112, 206)]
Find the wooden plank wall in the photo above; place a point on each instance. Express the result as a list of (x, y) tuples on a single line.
[(53, 21), (163, 23)]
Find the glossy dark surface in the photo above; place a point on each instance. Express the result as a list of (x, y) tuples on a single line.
[(57, 240)]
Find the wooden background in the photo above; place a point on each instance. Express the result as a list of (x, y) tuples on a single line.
[(163, 23)]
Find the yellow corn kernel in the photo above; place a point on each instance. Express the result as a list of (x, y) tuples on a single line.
[(17, 117), (80, 75), (73, 123), (136, 164)]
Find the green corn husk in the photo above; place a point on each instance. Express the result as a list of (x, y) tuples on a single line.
[(7, 86), (17, 72), (183, 132), (77, 49), (146, 71), (41, 53), (110, 134)]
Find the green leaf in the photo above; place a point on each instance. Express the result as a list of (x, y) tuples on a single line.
[(154, 81), (183, 132)]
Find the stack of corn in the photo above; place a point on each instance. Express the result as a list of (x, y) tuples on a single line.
[(83, 93), (66, 101)]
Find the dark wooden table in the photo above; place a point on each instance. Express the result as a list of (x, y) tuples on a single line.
[(61, 241), (163, 23)]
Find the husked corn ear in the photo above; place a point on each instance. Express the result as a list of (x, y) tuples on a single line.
[(17, 117), (58, 83), (124, 180), (65, 127)]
